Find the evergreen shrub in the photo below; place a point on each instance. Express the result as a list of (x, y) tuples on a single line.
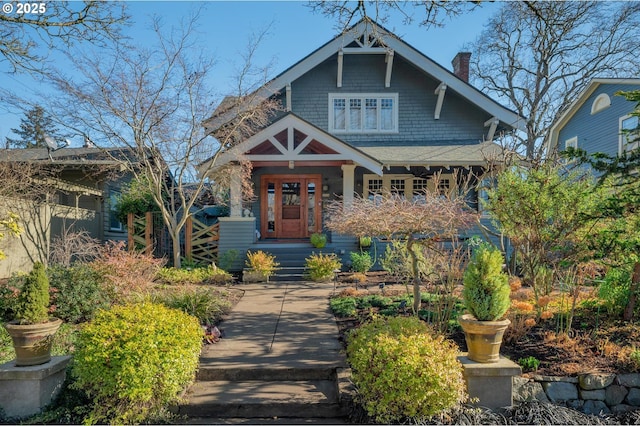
[(133, 360), (32, 306), (77, 292), (486, 288), (403, 371)]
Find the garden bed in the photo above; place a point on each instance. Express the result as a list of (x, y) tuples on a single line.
[(596, 342)]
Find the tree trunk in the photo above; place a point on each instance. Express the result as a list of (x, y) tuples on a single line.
[(633, 293), (417, 283), (176, 250)]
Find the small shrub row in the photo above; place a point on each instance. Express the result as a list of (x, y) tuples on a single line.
[(181, 276), (204, 303)]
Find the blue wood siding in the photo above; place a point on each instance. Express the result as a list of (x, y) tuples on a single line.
[(460, 122), (236, 234), (599, 132)]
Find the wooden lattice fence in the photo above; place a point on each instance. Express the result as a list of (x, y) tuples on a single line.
[(199, 240)]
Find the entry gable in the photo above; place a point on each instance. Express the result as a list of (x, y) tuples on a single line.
[(292, 139)]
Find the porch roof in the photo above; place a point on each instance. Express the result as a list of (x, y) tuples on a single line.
[(440, 155)]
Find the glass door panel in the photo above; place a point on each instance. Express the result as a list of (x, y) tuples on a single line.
[(291, 211)]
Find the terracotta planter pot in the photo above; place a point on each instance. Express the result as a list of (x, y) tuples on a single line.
[(32, 342), (483, 338)]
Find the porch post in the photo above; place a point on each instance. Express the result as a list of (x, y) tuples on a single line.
[(348, 173), (235, 192)]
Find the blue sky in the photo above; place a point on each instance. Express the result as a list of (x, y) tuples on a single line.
[(294, 32)]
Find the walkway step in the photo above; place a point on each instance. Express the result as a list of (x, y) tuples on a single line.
[(266, 374), (263, 399)]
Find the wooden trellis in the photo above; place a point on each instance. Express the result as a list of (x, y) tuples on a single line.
[(200, 240)]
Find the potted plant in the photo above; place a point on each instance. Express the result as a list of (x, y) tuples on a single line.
[(365, 242), (260, 266), (486, 296), (32, 329), (318, 240)]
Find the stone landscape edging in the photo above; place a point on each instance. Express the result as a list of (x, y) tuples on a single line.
[(593, 393)]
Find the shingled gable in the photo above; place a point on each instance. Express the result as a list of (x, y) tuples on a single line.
[(369, 37)]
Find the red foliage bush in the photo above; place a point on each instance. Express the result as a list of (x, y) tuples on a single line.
[(126, 274)]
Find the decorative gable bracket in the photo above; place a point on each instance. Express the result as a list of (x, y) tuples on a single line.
[(440, 91), (492, 123), (368, 44)]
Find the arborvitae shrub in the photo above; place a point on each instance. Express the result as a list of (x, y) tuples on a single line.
[(403, 371), (33, 301), (135, 359), (486, 287)]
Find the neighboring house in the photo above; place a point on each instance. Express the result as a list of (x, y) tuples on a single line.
[(80, 186), (363, 114), (597, 118)]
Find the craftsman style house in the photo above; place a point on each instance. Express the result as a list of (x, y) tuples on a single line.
[(363, 114), (596, 121)]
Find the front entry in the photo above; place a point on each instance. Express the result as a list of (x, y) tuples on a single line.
[(290, 206)]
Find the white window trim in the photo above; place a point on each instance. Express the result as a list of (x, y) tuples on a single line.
[(363, 96), (622, 141), (112, 194), (571, 143)]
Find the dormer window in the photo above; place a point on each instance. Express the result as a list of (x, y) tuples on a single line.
[(363, 113)]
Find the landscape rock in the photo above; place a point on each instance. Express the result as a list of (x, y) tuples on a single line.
[(622, 408), (596, 395), (615, 394), (525, 390), (560, 391), (565, 379), (595, 381), (630, 380), (633, 397), (595, 407)]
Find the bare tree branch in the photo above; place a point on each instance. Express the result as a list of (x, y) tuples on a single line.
[(538, 56), (27, 37)]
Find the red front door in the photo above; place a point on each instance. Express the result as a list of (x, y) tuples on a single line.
[(290, 206)]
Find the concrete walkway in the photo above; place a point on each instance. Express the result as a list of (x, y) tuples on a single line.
[(278, 325), (279, 361)]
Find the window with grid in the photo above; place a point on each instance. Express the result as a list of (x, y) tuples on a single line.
[(363, 113), (397, 187), (374, 188), (420, 187), (629, 133)]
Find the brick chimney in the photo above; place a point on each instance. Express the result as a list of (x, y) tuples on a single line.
[(461, 65)]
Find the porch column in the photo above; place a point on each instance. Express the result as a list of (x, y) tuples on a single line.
[(348, 173), (235, 192)]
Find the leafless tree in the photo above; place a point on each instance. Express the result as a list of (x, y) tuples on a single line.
[(423, 222), (539, 55), (154, 102), (29, 30), (425, 12)]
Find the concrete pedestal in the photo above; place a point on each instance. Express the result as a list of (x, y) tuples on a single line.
[(25, 391), (490, 385)]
